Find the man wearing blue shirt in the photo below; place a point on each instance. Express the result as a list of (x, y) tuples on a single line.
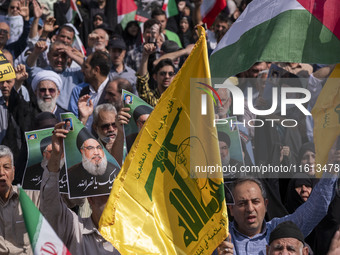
[(250, 232)]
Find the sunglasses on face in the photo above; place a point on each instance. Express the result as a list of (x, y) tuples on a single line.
[(108, 125), (50, 90), (15, 7), (165, 73)]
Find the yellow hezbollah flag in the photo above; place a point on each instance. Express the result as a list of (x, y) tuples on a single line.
[(326, 115), (157, 205), (6, 69)]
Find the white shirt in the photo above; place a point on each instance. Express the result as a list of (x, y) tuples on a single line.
[(95, 96)]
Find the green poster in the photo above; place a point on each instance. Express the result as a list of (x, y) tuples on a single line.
[(91, 169), (138, 107), (230, 145), (39, 148)]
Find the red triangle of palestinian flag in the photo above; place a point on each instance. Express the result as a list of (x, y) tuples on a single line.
[(327, 12), (301, 31)]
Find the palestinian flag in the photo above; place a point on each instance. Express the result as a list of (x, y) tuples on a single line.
[(72, 12), (42, 236), (170, 8), (302, 31), (210, 9), (126, 11)]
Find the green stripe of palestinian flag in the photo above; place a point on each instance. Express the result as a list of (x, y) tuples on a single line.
[(274, 30), (43, 238), (126, 18), (126, 11)]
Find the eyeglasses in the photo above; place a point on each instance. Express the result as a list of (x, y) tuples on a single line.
[(92, 148), (3, 31), (108, 125), (165, 73), (15, 7), (50, 90)]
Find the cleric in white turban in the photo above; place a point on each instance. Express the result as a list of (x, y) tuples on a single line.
[(47, 86), (47, 75)]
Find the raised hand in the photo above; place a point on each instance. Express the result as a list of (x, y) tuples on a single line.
[(59, 133), (85, 108), (20, 72), (49, 25), (149, 48), (21, 75), (123, 117), (40, 46), (24, 10), (37, 10)]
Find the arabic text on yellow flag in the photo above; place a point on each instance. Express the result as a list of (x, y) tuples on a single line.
[(6, 69), (156, 206), (326, 115)]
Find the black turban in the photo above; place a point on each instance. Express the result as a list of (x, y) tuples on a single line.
[(286, 229)]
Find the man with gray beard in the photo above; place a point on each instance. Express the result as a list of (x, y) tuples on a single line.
[(93, 157), (93, 175)]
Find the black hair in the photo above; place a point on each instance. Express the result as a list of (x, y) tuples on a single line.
[(157, 12), (162, 63), (223, 18), (150, 22), (102, 60)]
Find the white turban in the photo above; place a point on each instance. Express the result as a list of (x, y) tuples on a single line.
[(46, 75)]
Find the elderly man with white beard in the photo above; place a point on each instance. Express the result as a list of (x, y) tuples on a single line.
[(47, 86)]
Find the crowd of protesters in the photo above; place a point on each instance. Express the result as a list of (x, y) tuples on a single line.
[(57, 74)]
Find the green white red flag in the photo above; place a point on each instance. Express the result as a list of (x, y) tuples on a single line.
[(126, 11), (302, 31), (72, 12), (170, 8), (42, 236)]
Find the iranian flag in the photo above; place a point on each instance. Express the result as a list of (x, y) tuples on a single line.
[(210, 9), (302, 31), (72, 12), (43, 238), (126, 11), (170, 8)]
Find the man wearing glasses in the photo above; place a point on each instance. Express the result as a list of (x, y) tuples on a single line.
[(104, 124), (163, 74)]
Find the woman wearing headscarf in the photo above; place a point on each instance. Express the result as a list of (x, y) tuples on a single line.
[(298, 192), (132, 35)]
